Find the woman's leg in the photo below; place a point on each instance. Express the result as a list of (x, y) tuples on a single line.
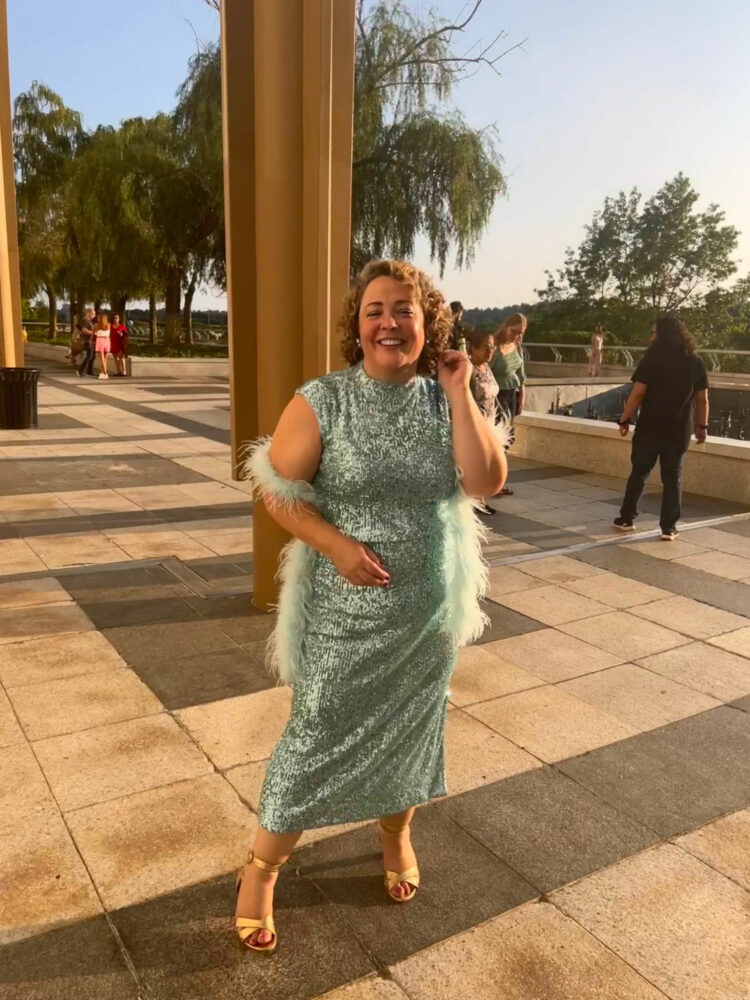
[(398, 854), (255, 898)]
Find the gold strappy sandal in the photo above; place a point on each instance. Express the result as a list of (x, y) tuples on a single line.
[(246, 925), (392, 879)]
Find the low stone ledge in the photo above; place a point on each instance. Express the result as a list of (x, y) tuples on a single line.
[(719, 468), (140, 366)]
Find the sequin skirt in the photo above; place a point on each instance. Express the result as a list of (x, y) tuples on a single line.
[(365, 733)]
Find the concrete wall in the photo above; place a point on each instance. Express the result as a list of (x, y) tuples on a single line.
[(719, 468), (540, 396)]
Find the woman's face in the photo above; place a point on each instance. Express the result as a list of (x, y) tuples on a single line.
[(391, 326), (482, 354), (510, 334)]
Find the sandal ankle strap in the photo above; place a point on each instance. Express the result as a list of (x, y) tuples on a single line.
[(260, 863)]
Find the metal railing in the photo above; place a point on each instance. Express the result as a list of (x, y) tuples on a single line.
[(622, 355), (202, 333)]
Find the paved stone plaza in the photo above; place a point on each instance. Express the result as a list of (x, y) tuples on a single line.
[(595, 842)]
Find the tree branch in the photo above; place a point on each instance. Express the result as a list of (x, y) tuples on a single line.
[(446, 29)]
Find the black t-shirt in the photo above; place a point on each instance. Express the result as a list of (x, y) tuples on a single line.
[(673, 377)]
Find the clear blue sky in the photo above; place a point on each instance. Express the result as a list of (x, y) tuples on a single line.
[(603, 97)]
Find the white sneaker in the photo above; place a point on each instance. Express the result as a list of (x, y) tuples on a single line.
[(103, 375)]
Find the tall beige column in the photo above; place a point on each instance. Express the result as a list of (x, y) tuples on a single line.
[(11, 342), (238, 118), (302, 105)]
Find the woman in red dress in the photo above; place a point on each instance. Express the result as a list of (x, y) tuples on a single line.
[(118, 336)]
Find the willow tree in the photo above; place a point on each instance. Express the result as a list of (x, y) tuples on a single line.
[(197, 120), (419, 169), (46, 137)]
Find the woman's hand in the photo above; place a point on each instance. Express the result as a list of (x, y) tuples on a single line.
[(358, 564), (454, 372)]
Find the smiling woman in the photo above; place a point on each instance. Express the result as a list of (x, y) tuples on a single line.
[(371, 469), (413, 302)]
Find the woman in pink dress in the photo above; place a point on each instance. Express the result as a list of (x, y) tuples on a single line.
[(103, 345)]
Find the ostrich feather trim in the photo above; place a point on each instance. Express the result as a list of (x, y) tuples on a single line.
[(267, 484), (503, 431), (466, 571), (284, 648)]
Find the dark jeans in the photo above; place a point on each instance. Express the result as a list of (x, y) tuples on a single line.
[(646, 451), (87, 365)]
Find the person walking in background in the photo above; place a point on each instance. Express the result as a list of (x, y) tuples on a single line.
[(118, 337), (508, 368), (670, 385), (482, 384), (595, 351), (103, 344), (86, 366)]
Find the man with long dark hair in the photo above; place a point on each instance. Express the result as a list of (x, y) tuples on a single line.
[(671, 389)]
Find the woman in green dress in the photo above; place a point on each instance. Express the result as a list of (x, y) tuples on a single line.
[(508, 368), (371, 469)]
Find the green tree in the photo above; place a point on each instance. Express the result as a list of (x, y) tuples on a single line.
[(46, 138), (418, 168), (661, 256)]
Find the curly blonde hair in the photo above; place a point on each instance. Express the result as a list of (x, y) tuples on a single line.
[(438, 321)]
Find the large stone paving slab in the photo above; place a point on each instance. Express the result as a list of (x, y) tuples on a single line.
[(676, 778), (532, 953), (55, 657), (70, 704), (481, 675), (120, 759), (724, 845), (550, 724), (156, 841), (184, 945), (29, 622), (200, 678), (349, 871), (552, 605), (79, 962), (637, 697), (475, 755), (624, 635), (44, 880), (553, 656), (705, 667), (239, 730), (693, 618), (677, 922), (548, 828)]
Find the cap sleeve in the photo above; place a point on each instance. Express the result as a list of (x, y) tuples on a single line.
[(317, 395)]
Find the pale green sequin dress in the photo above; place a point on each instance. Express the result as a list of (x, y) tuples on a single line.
[(365, 734)]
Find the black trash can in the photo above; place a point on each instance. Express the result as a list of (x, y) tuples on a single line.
[(18, 406)]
